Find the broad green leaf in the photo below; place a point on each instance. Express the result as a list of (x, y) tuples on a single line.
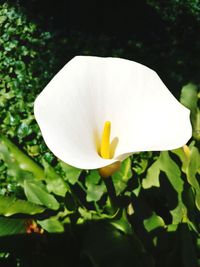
[(152, 177), (125, 170), (10, 226), (11, 153), (36, 193), (182, 156), (180, 153), (173, 174), (87, 215), (153, 222), (55, 183), (166, 164), (172, 227), (92, 178), (172, 171), (193, 167), (191, 173), (122, 224), (92, 215), (179, 214), (11, 205), (189, 96), (95, 192), (95, 186), (121, 177), (71, 173), (13, 167), (52, 225)]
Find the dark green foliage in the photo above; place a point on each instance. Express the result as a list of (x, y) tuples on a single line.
[(26, 64), (172, 10), (160, 34)]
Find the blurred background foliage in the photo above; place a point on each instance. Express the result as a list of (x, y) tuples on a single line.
[(53, 214)]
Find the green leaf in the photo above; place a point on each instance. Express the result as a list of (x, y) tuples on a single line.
[(121, 177), (191, 173), (153, 222), (52, 225), (55, 183), (152, 177), (2, 19), (172, 227), (87, 215), (179, 214), (10, 226), (166, 164), (173, 174), (172, 171), (92, 178), (14, 168), (189, 96), (23, 130), (193, 167), (14, 157), (95, 186), (122, 224), (71, 173), (95, 192), (36, 193), (125, 172), (11, 205), (182, 156)]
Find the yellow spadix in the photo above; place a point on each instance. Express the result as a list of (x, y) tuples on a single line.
[(106, 153), (105, 141)]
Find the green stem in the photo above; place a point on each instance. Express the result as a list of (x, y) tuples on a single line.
[(111, 192), (196, 130)]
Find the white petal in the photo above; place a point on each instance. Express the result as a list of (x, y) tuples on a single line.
[(88, 91), (65, 112)]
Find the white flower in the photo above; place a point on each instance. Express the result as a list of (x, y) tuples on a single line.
[(89, 91)]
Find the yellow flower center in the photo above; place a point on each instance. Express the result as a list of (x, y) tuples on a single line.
[(105, 141), (106, 151)]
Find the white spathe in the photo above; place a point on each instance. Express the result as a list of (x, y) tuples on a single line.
[(88, 91)]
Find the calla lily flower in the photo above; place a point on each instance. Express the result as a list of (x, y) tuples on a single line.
[(98, 111)]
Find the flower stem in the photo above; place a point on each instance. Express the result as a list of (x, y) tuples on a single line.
[(111, 192)]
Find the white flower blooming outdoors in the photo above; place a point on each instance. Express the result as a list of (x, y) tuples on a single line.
[(127, 99)]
